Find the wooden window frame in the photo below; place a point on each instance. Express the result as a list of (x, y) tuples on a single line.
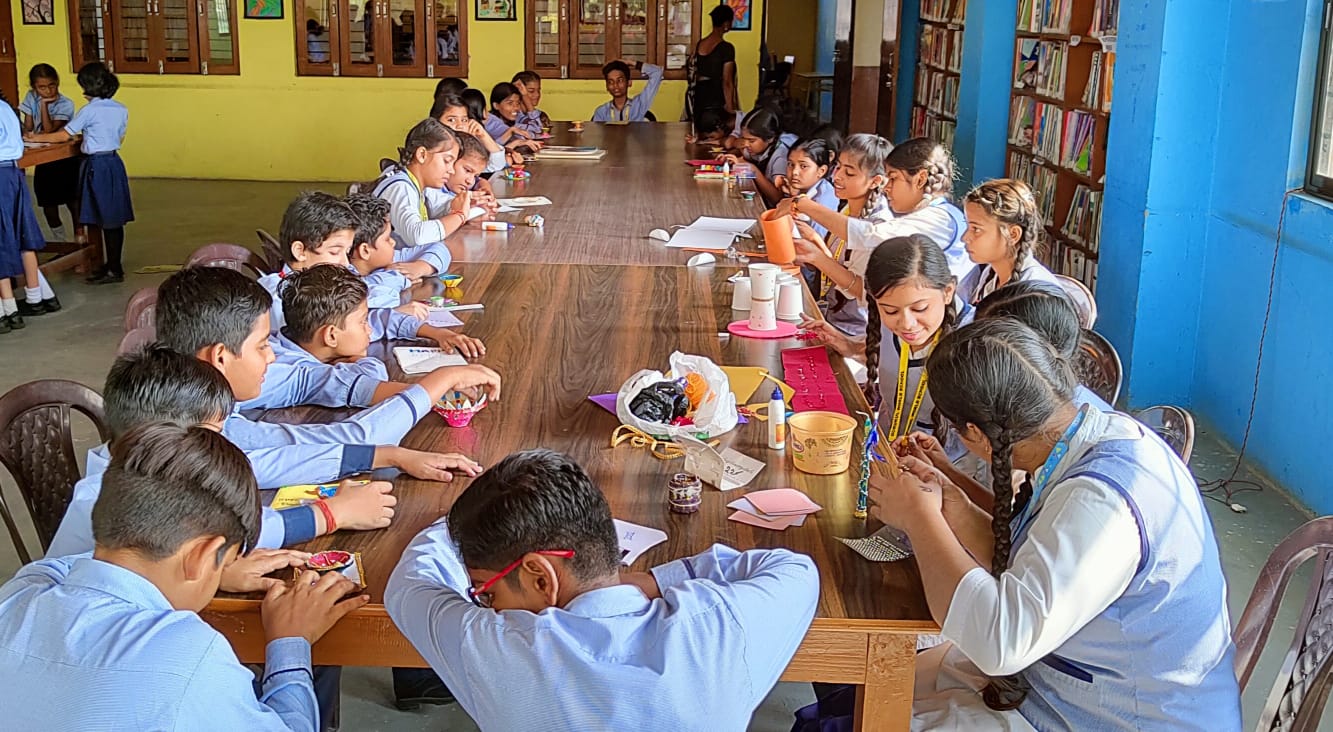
[(656, 31), (157, 63), (1315, 183), (426, 66)]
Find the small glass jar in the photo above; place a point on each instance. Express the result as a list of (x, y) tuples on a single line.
[(684, 493)]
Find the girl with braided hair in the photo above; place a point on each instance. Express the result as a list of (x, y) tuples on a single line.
[(1091, 597), (1003, 235)]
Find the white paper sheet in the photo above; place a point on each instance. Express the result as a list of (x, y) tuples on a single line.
[(418, 360), (718, 241), (525, 201), (714, 223), (442, 318), (506, 209), (636, 539), (727, 470)]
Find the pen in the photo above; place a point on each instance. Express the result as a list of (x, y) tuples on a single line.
[(496, 226)]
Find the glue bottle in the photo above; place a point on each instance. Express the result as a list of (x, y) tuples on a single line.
[(726, 173), (777, 421)]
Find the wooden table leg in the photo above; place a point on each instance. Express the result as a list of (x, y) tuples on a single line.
[(93, 259), (884, 703)]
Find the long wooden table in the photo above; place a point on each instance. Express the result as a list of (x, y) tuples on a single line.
[(81, 255)]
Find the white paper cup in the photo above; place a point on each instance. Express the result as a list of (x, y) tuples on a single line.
[(763, 315), (764, 280), (789, 300), (740, 294)]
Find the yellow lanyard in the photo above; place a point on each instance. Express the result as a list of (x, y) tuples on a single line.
[(904, 355), (421, 195), (837, 247)]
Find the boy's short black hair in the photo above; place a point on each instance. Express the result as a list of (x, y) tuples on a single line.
[(447, 101), (198, 307), (97, 81), (311, 218), (168, 484), (321, 295), (620, 66), (469, 145), (450, 86), (370, 212), (708, 120), (158, 384), (476, 103), (42, 71), (534, 501), (526, 76), (503, 91)]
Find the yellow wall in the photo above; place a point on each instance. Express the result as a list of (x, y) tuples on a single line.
[(270, 124), (792, 25)]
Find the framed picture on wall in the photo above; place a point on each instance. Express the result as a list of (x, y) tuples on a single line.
[(263, 9), (744, 10), (497, 10), (38, 12)]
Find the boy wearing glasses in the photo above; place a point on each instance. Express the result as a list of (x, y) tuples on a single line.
[(517, 601)]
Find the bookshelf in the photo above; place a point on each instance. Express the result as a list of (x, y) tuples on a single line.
[(939, 70), (1060, 109)]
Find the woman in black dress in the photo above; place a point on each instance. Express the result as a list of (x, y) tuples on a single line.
[(712, 69)]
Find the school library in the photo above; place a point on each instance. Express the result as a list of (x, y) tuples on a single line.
[(764, 365)]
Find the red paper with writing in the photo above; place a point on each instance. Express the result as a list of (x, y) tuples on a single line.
[(808, 372)]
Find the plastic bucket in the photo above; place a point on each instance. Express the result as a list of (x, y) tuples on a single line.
[(821, 442), (777, 237)]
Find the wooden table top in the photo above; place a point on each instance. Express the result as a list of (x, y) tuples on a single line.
[(602, 211), (48, 153), (559, 333)]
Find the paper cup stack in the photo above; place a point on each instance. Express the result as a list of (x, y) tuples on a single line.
[(763, 296), (789, 297)]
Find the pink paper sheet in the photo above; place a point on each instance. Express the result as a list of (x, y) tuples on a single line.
[(782, 502), (776, 525), (807, 371)]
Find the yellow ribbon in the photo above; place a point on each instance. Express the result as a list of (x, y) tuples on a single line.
[(904, 355), (660, 449), (421, 195), (835, 252)]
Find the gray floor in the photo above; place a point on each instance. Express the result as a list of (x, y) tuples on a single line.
[(175, 217)]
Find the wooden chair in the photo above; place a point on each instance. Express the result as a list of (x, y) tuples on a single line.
[(231, 256), (37, 448), (136, 339), (1098, 366), (1297, 699), (1082, 298), (368, 186), (141, 310), (270, 250), (1174, 425)]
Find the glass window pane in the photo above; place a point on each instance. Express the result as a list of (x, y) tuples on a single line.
[(220, 32), (592, 33), (403, 31), (1324, 125), (634, 30), (446, 32), (546, 33), (134, 30), (177, 17), (92, 32), (680, 18), (318, 14), (361, 36)]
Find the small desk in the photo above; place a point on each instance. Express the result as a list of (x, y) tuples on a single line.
[(815, 86), (82, 256)]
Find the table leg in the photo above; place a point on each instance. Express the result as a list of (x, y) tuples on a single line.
[(884, 703), (93, 258)]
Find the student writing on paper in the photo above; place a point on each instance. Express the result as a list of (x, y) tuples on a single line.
[(1090, 597), (619, 79), (523, 576), (113, 637), (765, 144), (54, 184), (466, 179)]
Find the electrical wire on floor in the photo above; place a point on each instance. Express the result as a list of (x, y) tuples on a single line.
[(1224, 490)]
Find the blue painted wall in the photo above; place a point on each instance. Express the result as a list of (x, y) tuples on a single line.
[(909, 42), (983, 93), (824, 42)]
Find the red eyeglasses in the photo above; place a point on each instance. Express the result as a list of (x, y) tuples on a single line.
[(483, 597)]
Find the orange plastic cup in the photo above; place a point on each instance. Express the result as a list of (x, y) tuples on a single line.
[(777, 237)]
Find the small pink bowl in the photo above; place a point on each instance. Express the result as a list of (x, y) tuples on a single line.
[(456, 417)]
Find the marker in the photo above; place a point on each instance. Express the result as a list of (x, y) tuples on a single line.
[(496, 226)]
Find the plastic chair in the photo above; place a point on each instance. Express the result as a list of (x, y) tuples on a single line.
[(270, 250), (231, 256), (1174, 425), (136, 339), (141, 310), (1098, 366), (1297, 699), (1082, 298), (37, 448)]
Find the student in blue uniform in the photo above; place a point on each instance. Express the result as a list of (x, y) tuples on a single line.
[(619, 78), (765, 146), (506, 105), (1004, 231), (1091, 597), (371, 256), (55, 184), (454, 113), (113, 638), (104, 188), (517, 599), (20, 235), (327, 318), (532, 118), (425, 162)]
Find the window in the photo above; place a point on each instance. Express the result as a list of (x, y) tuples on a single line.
[(1321, 140), (420, 38), (573, 39), (155, 36)]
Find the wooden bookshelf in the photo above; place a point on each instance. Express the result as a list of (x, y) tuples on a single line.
[(1059, 114), (939, 70)]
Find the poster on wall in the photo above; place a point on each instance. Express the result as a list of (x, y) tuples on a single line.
[(744, 10), (263, 9), (497, 9), (38, 12)]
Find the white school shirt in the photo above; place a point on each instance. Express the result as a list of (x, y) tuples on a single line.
[(982, 281), (864, 233), (61, 108), (932, 220)]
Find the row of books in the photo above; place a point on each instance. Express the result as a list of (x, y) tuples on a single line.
[(942, 47), (944, 11), (1045, 16), (1105, 18), (943, 98), (1076, 151), (1037, 127), (1040, 67), (1101, 76), (1041, 179), (1083, 223), (929, 124), (1067, 260)]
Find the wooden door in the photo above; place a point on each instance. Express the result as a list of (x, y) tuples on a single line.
[(359, 26), (9, 81), (888, 69), (842, 64)]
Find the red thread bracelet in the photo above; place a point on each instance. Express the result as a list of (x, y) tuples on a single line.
[(330, 525)]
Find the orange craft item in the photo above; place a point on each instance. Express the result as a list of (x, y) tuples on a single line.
[(777, 237), (696, 388)]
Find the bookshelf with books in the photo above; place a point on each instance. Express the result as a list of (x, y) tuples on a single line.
[(1060, 109), (939, 70)]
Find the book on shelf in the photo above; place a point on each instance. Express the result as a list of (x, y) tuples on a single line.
[(944, 11), (1084, 221), (1076, 150), (956, 51), (1048, 131), (1043, 183), (1022, 122), (1097, 92), (921, 95), (1030, 15), (959, 13), (1105, 18), (918, 121), (1025, 64), (1057, 16)]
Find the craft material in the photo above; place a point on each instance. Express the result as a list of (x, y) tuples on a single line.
[(659, 235), (496, 226), (807, 370), (516, 173), (458, 409), (423, 360), (710, 233), (724, 469), (451, 280), (576, 126), (743, 504), (660, 449), (789, 298), (701, 260), (661, 402), (821, 442), (329, 561), (535, 221), (635, 540), (437, 301), (460, 307), (780, 330), (524, 201), (740, 294), (776, 523), (747, 195), (778, 237), (863, 484), (291, 496), (777, 421), (570, 152), (763, 303), (684, 493), (885, 545), (441, 316), (782, 502), (705, 163)]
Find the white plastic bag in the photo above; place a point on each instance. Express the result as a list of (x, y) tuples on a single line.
[(715, 416)]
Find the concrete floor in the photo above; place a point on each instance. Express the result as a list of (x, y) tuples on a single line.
[(176, 217)]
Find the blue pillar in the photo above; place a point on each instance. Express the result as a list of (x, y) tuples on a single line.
[(983, 92), (909, 40)]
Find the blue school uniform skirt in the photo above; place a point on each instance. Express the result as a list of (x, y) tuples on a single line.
[(104, 191), (18, 223)]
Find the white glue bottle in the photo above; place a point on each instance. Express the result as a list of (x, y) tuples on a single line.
[(777, 421)]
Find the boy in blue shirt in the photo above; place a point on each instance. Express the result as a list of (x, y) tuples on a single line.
[(113, 638), (517, 600), (372, 254), (622, 108)]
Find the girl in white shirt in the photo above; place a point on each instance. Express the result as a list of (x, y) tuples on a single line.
[(1092, 596), (1004, 231)]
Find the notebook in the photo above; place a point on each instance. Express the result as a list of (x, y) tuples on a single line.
[(418, 360)]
